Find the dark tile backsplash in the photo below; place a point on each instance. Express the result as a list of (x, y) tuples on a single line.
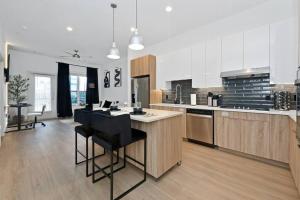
[(248, 92), (254, 92)]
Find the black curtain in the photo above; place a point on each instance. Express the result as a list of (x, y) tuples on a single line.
[(92, 94), (64, 105)]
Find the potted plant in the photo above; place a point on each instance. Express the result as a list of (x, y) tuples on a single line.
[(17, 88)]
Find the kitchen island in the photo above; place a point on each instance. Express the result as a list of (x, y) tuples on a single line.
[(164, 139)]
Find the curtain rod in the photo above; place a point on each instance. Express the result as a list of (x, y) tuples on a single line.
[(77, 65)]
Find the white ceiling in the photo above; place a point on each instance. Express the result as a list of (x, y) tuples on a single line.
[(46, 22)]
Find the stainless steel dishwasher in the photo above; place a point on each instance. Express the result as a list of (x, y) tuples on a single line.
[(200, 126)]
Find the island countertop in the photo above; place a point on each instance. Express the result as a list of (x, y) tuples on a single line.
[(151, 115)]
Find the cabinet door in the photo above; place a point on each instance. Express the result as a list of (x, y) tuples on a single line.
[(279, 138), (161, 72), (257, 47), (213, 54), (179, 64), (183, 110), (228, 130), (255, 135), (198, 66), (233, 52), (283, 52), (293, 148)]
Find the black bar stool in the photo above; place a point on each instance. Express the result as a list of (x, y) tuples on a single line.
[(82, 116), (86, 132), (113, 133)]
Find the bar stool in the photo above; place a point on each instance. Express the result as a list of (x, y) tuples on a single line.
[(113, 133), (82, 116)]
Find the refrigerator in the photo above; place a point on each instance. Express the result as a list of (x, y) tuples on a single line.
[(140, 91)]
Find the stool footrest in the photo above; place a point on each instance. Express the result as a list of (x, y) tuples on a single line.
[(129, 190), (136, 161), (104, 172), (78, 163)]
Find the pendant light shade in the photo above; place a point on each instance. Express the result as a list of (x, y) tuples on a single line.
[(114, 52), (136, 41)]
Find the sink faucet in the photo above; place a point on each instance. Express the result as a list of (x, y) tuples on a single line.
[(176, 98)]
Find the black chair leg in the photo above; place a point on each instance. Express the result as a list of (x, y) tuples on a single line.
[(125, 157), (145, 159), (112, 175), (87, 156), (76, 148), (93, 161), (35, 121)]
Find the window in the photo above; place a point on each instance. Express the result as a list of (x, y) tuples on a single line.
[(42, 92), (78, 89)]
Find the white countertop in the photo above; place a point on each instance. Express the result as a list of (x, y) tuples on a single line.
[(290, 113), (150, 116)]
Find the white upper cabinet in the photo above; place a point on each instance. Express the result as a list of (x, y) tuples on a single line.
[(178, 65), (173, 66), (283, 52), (198, 66), (213, 63), (257, 47), (161, 72), (233, 52)]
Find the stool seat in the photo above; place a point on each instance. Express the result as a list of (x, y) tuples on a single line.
[(137, 135), (113, 133), (84, 131), (111, 142)]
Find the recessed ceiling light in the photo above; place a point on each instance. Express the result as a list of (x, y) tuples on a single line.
[(24, 27), (69, 28), (169, 9), (132, 29)]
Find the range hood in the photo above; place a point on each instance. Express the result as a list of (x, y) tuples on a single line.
[(246, 73)]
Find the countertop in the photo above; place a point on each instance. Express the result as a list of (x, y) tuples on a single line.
[(290, 113), (151, 116)]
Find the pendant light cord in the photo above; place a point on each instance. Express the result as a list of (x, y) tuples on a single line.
[(136, 14), (113, 24)]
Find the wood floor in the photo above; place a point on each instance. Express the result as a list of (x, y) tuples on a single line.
[(39, 165)]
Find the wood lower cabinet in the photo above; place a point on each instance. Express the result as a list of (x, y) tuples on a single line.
[(294, 154), (255, 134), (261, 135), (183, 110), (279, 138), (228, 130)]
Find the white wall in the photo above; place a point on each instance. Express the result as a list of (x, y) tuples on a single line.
[(28, 64), (2, 84), (269, 12), (115, 93)]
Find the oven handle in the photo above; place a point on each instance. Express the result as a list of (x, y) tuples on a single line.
[(199, 115)]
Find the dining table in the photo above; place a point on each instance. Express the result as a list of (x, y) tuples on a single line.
[(19, 107)]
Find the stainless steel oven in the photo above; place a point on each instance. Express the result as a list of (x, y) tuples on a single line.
[(200, 126)]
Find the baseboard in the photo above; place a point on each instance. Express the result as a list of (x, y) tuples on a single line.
[(264, 160)]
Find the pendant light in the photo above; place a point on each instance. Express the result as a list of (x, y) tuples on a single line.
[(136, 40), (114, 52)]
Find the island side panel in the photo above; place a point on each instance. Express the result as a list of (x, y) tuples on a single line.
[(164, 145)]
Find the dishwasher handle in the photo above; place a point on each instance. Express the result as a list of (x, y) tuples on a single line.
[(200, 112), (199, 115)]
